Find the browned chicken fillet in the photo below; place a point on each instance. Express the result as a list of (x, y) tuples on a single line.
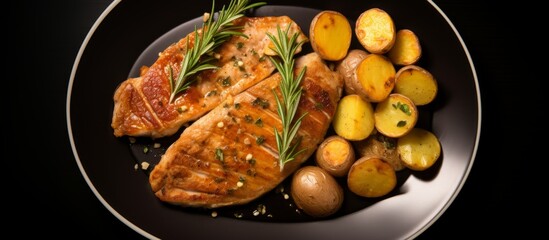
[(142, 107), (230, 157)]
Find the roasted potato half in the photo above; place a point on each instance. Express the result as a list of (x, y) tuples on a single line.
[(371, 177), (316, 192), (330, 35), (407, 49), (374, 78), (376, 31), (381, 146), (416, 83), (354, 118), (335, 155), (419, 149), (395, 116)]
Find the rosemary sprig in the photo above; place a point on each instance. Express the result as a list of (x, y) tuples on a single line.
[(214, 33), (285, 48)]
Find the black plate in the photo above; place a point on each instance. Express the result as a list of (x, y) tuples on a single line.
[(129, 34)]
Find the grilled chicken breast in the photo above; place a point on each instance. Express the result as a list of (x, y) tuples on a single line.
[(230, 157), (142, 107)]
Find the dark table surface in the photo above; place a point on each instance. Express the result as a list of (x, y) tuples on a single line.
[(49, 196)]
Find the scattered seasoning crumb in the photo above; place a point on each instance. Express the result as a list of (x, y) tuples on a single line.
[(206, 17), (217, 56), (132, 139), (249, 156), (136, 166), (156, 145), (214, 214), (182, 109), (256, 213), (286, 196), (220, 124), (144, 165), (247, 141), (239, 184), (238, 215), (269, 215), (145, 149), (240, 63)]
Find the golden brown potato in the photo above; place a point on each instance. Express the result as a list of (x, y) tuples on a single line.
[(419, 149), (347, 66), (371, 177), (330, 35), (416, 83), (376, 31), (406, 50), (395, 116), (354, 118), (335, 155), (374, 78), (316, 192), (381, 146)]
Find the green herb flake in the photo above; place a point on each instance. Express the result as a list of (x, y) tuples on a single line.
[(145, 149), (219, 154), (239, 45), (259, 122), (252, 161), (401, 123), (248, 118), (319, 106), (226, 82), (262, 58), (259, 140), (211, 93), (237, 106), (260, 102)]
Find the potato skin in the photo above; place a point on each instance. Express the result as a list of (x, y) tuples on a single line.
[(381, 146), (347, 66), (316, 192), (335, 155)]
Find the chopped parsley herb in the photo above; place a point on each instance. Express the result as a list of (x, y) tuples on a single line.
[(259, 122), (260, 102), (401, 123), (389, 143), (319, 106), (237, 106), (239, 45), (219, 154), (145, 149), (248, 118), (225, 82), (241, 179), (262, 58), (252, 161), (403, 107), (259, 140), (253, 51)]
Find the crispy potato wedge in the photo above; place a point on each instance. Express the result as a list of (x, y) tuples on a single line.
[(416, 83), (406, 50), (396, 116), (335, 155), (371, 177), (376, 31), (374, 78), (380, 146), (354, 118), (419, 149), (330, 35)]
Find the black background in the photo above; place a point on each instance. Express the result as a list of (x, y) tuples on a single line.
[(47, 194)]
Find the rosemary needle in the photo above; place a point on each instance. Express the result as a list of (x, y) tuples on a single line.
[(214, 33), (285, 48)]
